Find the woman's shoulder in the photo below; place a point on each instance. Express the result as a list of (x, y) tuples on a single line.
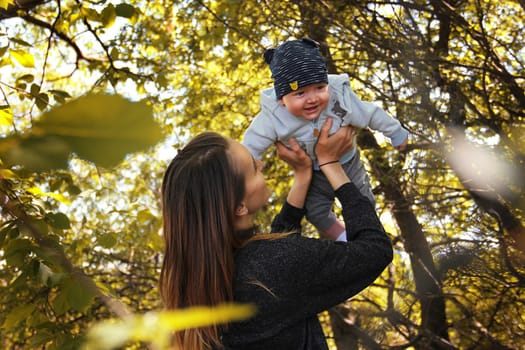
[(279, 251)]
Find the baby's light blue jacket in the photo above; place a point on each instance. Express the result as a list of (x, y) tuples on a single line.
[(275, 123)]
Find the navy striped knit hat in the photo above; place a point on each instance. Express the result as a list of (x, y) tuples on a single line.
[(295, 64)]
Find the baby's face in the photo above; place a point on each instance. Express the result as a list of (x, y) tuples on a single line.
[(307, 102)]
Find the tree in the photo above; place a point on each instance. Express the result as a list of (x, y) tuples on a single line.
[(451, 71)]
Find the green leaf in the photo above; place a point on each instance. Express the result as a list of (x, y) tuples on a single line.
[(35, 153), (114, 53), (17, 315), (16, 251), (60, 303), (68, 343), (20, 42), (73, 190), (80, 292), (125, 10), (23, 57), (26, 77), (41, 338), (42, 101), (102, 128), (98, 128), (107, 240), (77, 292), (52, 253), (58, 220), (108, 16), (34, 90), (59, 95)]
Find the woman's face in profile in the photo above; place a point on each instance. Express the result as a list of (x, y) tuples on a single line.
[(257, 193)]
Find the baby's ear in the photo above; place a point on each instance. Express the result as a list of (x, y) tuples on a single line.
[(268, 55), (310, 42)]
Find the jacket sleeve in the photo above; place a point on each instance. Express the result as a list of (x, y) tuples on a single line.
[(260, 135), (317, 274), (288, 219), (374, 117)]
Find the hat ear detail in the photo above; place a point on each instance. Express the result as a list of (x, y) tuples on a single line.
[(268, 55), (311, 42)]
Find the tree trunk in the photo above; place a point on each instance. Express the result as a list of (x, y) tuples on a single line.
[(427, 279)]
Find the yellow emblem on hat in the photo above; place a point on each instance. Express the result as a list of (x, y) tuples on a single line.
[(294, 85)]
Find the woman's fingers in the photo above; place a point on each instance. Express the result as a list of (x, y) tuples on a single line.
[(332, 147), (294, 155)]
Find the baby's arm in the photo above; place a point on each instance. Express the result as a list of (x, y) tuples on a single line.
[(370, 115), (259, 136), (402, 146)]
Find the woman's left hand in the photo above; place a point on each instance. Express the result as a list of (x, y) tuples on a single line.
[(294, 155), (301, 163)]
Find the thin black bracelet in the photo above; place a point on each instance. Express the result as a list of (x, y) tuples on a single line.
[(330, 162)]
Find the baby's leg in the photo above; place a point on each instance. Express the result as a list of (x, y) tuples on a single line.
[(319, 204), (320, 199), (336, 232), (357, 173)]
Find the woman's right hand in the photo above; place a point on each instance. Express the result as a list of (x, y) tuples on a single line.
[(330, 148)]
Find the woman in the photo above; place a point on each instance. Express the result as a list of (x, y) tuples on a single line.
[(211, 191)]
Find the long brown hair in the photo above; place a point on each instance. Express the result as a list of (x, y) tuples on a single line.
[(200, 191)]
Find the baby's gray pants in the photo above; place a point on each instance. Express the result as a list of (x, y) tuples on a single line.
[(320, 197)]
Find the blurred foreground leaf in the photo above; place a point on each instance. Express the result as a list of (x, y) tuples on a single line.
[(156, 327), (98, 128)]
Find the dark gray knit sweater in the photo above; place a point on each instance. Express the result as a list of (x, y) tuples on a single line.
[(292, 279)]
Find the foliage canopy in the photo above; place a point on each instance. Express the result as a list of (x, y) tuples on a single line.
[(96, 96)]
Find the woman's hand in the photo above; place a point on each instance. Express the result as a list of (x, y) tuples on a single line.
[(331, 148), (294, 155), (301, 163)]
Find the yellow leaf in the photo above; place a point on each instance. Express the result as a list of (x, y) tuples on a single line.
[(6, 117), (7, 174), (5, 3), (203, 316), (144, 215), (156, 327), (35, 190), (57, 196), (23, 57)]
